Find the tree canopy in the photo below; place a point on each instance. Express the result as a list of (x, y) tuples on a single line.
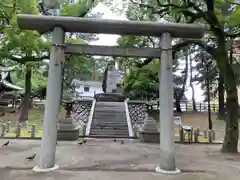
[(221, 23)]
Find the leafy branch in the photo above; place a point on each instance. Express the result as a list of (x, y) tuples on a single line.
[(177, 47), (25, 59)]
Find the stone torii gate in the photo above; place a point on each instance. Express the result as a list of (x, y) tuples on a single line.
[(60, 25)]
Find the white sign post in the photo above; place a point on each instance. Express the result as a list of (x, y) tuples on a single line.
[(177, 120)]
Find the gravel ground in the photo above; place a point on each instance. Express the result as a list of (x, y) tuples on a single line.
[(103, 159)]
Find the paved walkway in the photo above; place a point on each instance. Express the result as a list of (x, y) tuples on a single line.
[(104, 159)]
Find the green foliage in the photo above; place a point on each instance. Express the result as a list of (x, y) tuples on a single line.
[(78, 67), (27, 45), (38, 80), (78, 8), (23, 46), (142, 83)]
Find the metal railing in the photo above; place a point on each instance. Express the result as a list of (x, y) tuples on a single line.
[(89, 123)]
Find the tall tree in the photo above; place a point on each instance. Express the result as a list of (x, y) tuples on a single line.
[(191, 83), (181, 81), (134, 13), (23, 46), (197, 12)]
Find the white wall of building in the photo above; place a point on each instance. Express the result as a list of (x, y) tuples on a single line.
[(87, 89)]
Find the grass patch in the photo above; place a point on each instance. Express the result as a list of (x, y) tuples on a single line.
[(218, 121), (202, 139), (24, 133), (36, 117)]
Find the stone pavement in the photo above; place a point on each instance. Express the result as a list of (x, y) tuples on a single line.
[(104, 159)]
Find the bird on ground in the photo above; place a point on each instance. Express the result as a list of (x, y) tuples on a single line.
[(5, 144), (31, 157), (83, 142), (122, 142), (114, 140)]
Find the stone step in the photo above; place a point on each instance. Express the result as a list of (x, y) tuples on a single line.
[(109, 130), (110, 103), (109, 133), (117, 128), (109, 123), (109, 110), (109, 119), (109, 136), (108, 115), (105, 116), (110, 107), (105, 107), (98, 104), (104, 123)]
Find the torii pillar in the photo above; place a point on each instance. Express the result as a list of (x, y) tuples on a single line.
[(53, 98)]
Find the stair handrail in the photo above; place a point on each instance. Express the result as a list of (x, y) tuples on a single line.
[(129, 122), (90, 118)]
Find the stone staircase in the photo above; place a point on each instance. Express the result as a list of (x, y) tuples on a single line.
[(109, 120)]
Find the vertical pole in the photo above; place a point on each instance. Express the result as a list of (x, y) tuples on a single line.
[(62, 85), (33, 131), (209, 98), (49, 137), (167, 152)]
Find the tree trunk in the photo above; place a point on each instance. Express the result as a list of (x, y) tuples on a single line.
[(191, 85), (193, 98), (230, 143), (178, 96), (221, 98), (27, 96), (210, 124)]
